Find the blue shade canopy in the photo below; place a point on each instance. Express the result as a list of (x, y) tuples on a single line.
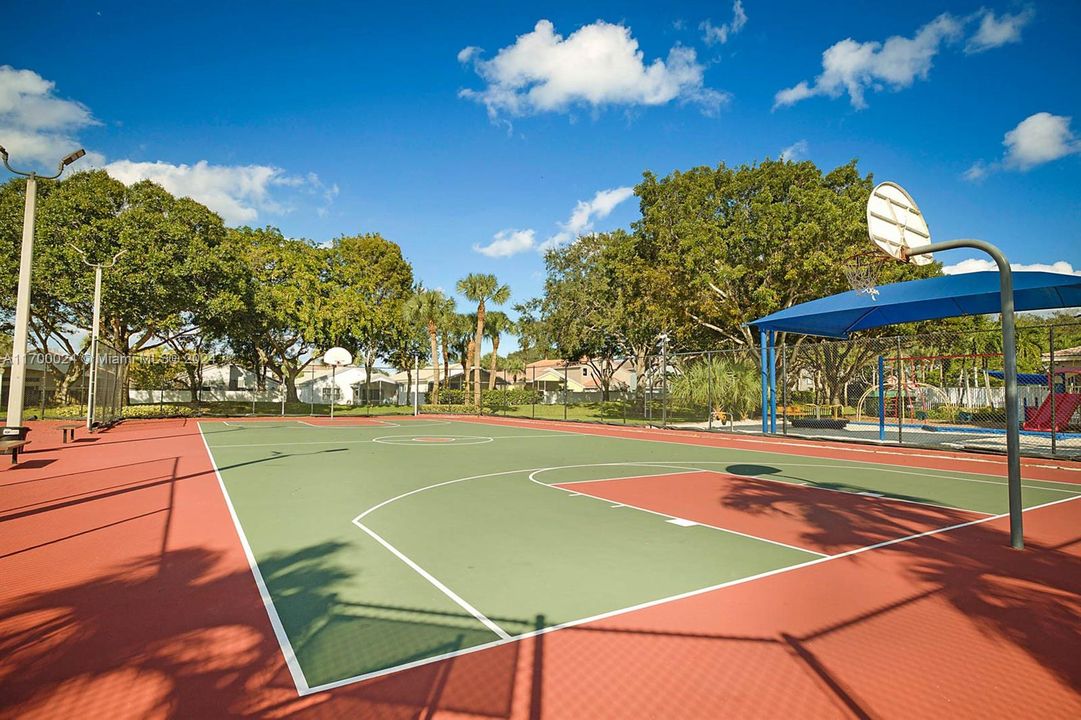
[(1026, 378), (839, 315)]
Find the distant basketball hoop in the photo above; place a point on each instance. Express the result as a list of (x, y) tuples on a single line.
[(336, 357)]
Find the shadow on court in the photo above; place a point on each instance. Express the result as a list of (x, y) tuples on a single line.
[(836, 520)]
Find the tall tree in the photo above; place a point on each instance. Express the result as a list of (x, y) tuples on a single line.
[(169, 283), (496, 324), (282, 311), (482, 289), (605, 301), (740, 243), (459, 339), (370, 284), (430, 309)]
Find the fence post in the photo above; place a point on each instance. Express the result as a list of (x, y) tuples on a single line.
[(533, 395), (881, 397), (709, 390), (784, 388), (565, 389), (1051, 381), (900, 393), (311, 393), (664, 381), (44, 387)]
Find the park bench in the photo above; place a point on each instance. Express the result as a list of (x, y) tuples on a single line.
[(69, 430), (12, 447)]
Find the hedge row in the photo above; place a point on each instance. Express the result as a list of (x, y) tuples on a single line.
[(510, 397)]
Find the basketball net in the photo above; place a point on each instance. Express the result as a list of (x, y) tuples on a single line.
[(861, 270)]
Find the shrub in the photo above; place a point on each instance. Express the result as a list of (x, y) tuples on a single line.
[(502, 398), (509, 397), (451, 396), (459, 409), (156, 411)]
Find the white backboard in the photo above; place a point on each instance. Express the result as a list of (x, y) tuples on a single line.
[(895, 223), (338, 356)]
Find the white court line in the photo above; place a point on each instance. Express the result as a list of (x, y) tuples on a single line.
[(839, 445), (484, 619), (864, 493), (764, 478), (661, 601), (877, 466), (268, 603), (488, 438), (533, 479)]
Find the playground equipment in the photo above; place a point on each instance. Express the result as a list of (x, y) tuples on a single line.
[(906, 400), (1063, 405)]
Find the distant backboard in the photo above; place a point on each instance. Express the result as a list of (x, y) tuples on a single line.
[(338, 356)]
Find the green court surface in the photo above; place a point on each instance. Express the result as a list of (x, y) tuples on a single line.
[(384, 545)]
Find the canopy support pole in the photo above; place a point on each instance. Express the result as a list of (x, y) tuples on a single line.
[(772, 382), (763, 358), (881, 398), (1009, 358)]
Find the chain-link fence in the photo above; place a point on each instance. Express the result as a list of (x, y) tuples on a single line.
[(941, 390), (936, 390)]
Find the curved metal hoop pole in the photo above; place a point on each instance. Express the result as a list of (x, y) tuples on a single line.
[(1009, 372)]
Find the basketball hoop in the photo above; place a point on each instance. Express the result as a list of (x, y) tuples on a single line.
[(862, 269)]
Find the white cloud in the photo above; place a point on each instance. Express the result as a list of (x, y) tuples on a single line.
[(236, 192), (597, 65), (468, 53), (994, 31), (1038, 139), (583, 216), (713, 34), (855, 67), (795, 151), (36, 126), (978, 171), (507, 242), (980, 265)]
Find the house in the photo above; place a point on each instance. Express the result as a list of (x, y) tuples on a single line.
[(349, 385), (583, 384), (231, 376), (424, 380)]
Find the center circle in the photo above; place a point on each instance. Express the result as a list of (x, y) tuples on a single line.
[(433, 439)]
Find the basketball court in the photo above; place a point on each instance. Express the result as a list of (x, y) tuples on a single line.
[(512, 568)]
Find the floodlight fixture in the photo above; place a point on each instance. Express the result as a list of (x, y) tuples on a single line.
[(72, 157)]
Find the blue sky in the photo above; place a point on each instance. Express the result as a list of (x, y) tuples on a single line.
[(448, 127)]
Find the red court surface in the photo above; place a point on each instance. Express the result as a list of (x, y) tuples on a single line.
[(125, 593), (838, 521)]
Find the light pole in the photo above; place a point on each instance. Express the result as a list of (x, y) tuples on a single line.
[(664, 380), (17, 383), (94, 330)]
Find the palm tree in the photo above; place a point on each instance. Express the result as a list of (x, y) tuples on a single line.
[(447, 334), (429, 308), (481, 289), (459, 338), (495, 324)]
